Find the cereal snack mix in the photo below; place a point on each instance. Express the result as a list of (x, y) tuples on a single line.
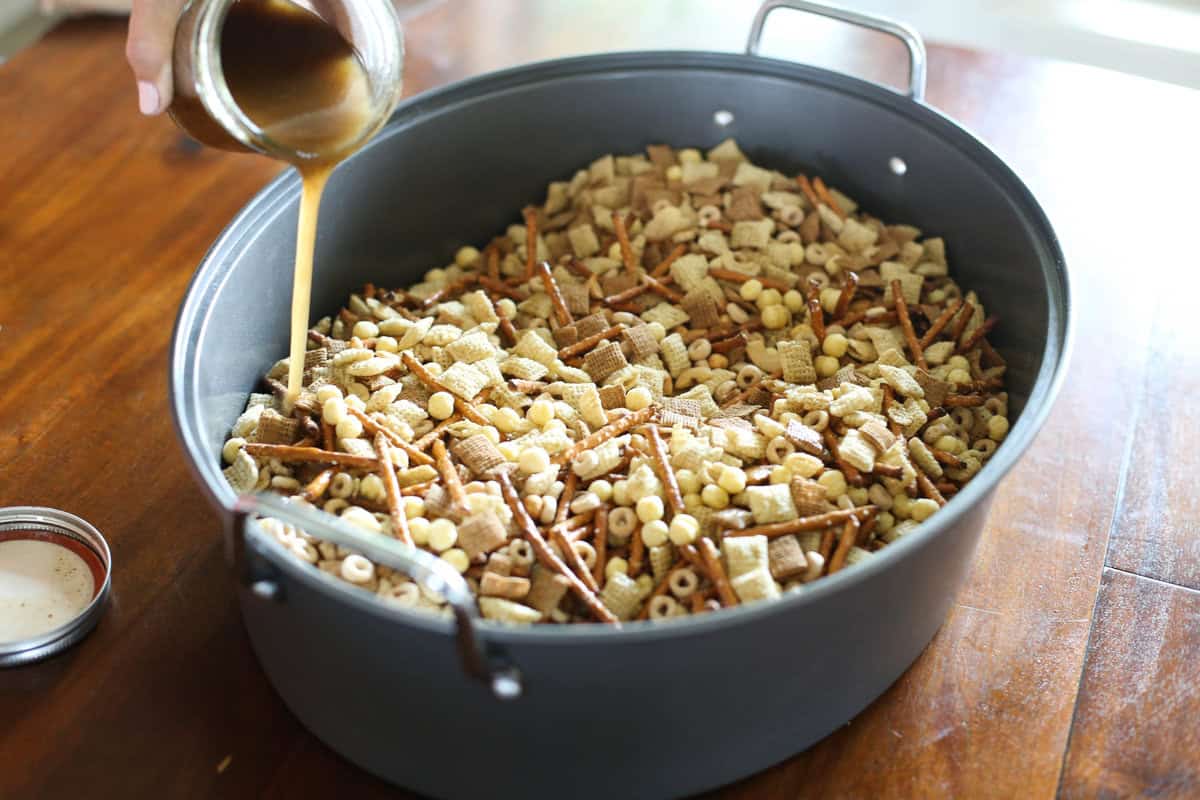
[(684, 382)]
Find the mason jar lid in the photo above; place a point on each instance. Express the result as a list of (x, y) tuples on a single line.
[(55, 577)]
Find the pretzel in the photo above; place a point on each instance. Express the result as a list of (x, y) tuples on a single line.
[(698, 605), (994, 359), (978, 334), (507, 332), (735, 342), (960, 324), (664, 266), (450, 476), (564, 500), (544, 554), (741, 277), (807, 188), (573, 559), (853, 476), (693, 558), (927, 487), (561, 312), (816, 318), (637, 554), (828, 537), (848, 290), (629, 294), (531, 233), (627, 255), (719, 225), (865, 316), (712, 563), (327, 435), (889, 396), (500, 287), (432, 383), (887, 470), (845, 542), (435, 433), (949, 459), (663, 586), (493, 262), (418, 489), (395, 503), (370, 426), (587, 343), (801, 524), (963, 400), (826, 197), (660, 288), (910, 335), (662, 465), (449, 290), (602, 435), (946, 488), (315, 489), (941, 322), (311, 455), (600, 543)]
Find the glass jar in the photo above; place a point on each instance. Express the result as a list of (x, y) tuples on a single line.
[(204, 106)]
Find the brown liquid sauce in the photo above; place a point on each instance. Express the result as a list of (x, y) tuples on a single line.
[(300, 81)]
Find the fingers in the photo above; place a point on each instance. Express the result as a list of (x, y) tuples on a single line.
[(148, 49)]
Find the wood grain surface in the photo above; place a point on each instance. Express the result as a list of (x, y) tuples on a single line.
[(103, 216)]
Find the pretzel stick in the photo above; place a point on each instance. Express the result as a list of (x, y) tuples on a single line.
[(637, 554), (960, 324), (500, 287), (561, 312), (530, 531), (910, 335), (868, 528), (853, 476), (864, 316), (938, 324), (395, 502), (493, 262), (949, 459), (507, 332), (993, 358), (450, 476), (812, 523), (627, 295), (816, 318), (848, 290), (449, 290), (417, 489), (623, 239), (311, 455), (436, 433), (531, 232), (889, 395), (888, 470), (659, 591), (826, 197), (327, 435), (741, 277), (964, 401), (432, 383), (316, 488), (658, 453), (927, 487), (946, 487), (585, 344), (719, 225), (977, 334), (732, 343), (712, 561), (698, 600), (807, 188), (564, 500), (602, 435), (664, 266), (693, 558), (660, 288), (826, 548), (372, 427), (847, 540), (600, 543), (574, 560)]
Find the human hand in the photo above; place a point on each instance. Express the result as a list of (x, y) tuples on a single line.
[(148, 49)]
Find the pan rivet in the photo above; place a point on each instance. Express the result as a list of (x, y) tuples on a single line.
[(267, 590), (897, 165), (723, 118)]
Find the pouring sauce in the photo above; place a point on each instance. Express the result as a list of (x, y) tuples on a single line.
[(305, 86)]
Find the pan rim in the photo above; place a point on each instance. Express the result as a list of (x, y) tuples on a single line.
[(215, 269)]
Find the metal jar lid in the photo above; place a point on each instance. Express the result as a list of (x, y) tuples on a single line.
[(56, 575)]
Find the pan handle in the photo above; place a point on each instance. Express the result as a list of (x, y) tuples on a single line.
[(911, 39), (433, 574)]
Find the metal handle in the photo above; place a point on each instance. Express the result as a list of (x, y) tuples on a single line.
[(911, 39), (432, 574)]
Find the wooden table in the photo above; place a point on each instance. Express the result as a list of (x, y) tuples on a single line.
[(1068, 664)]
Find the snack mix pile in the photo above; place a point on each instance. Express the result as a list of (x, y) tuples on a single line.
[(686, 382)]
